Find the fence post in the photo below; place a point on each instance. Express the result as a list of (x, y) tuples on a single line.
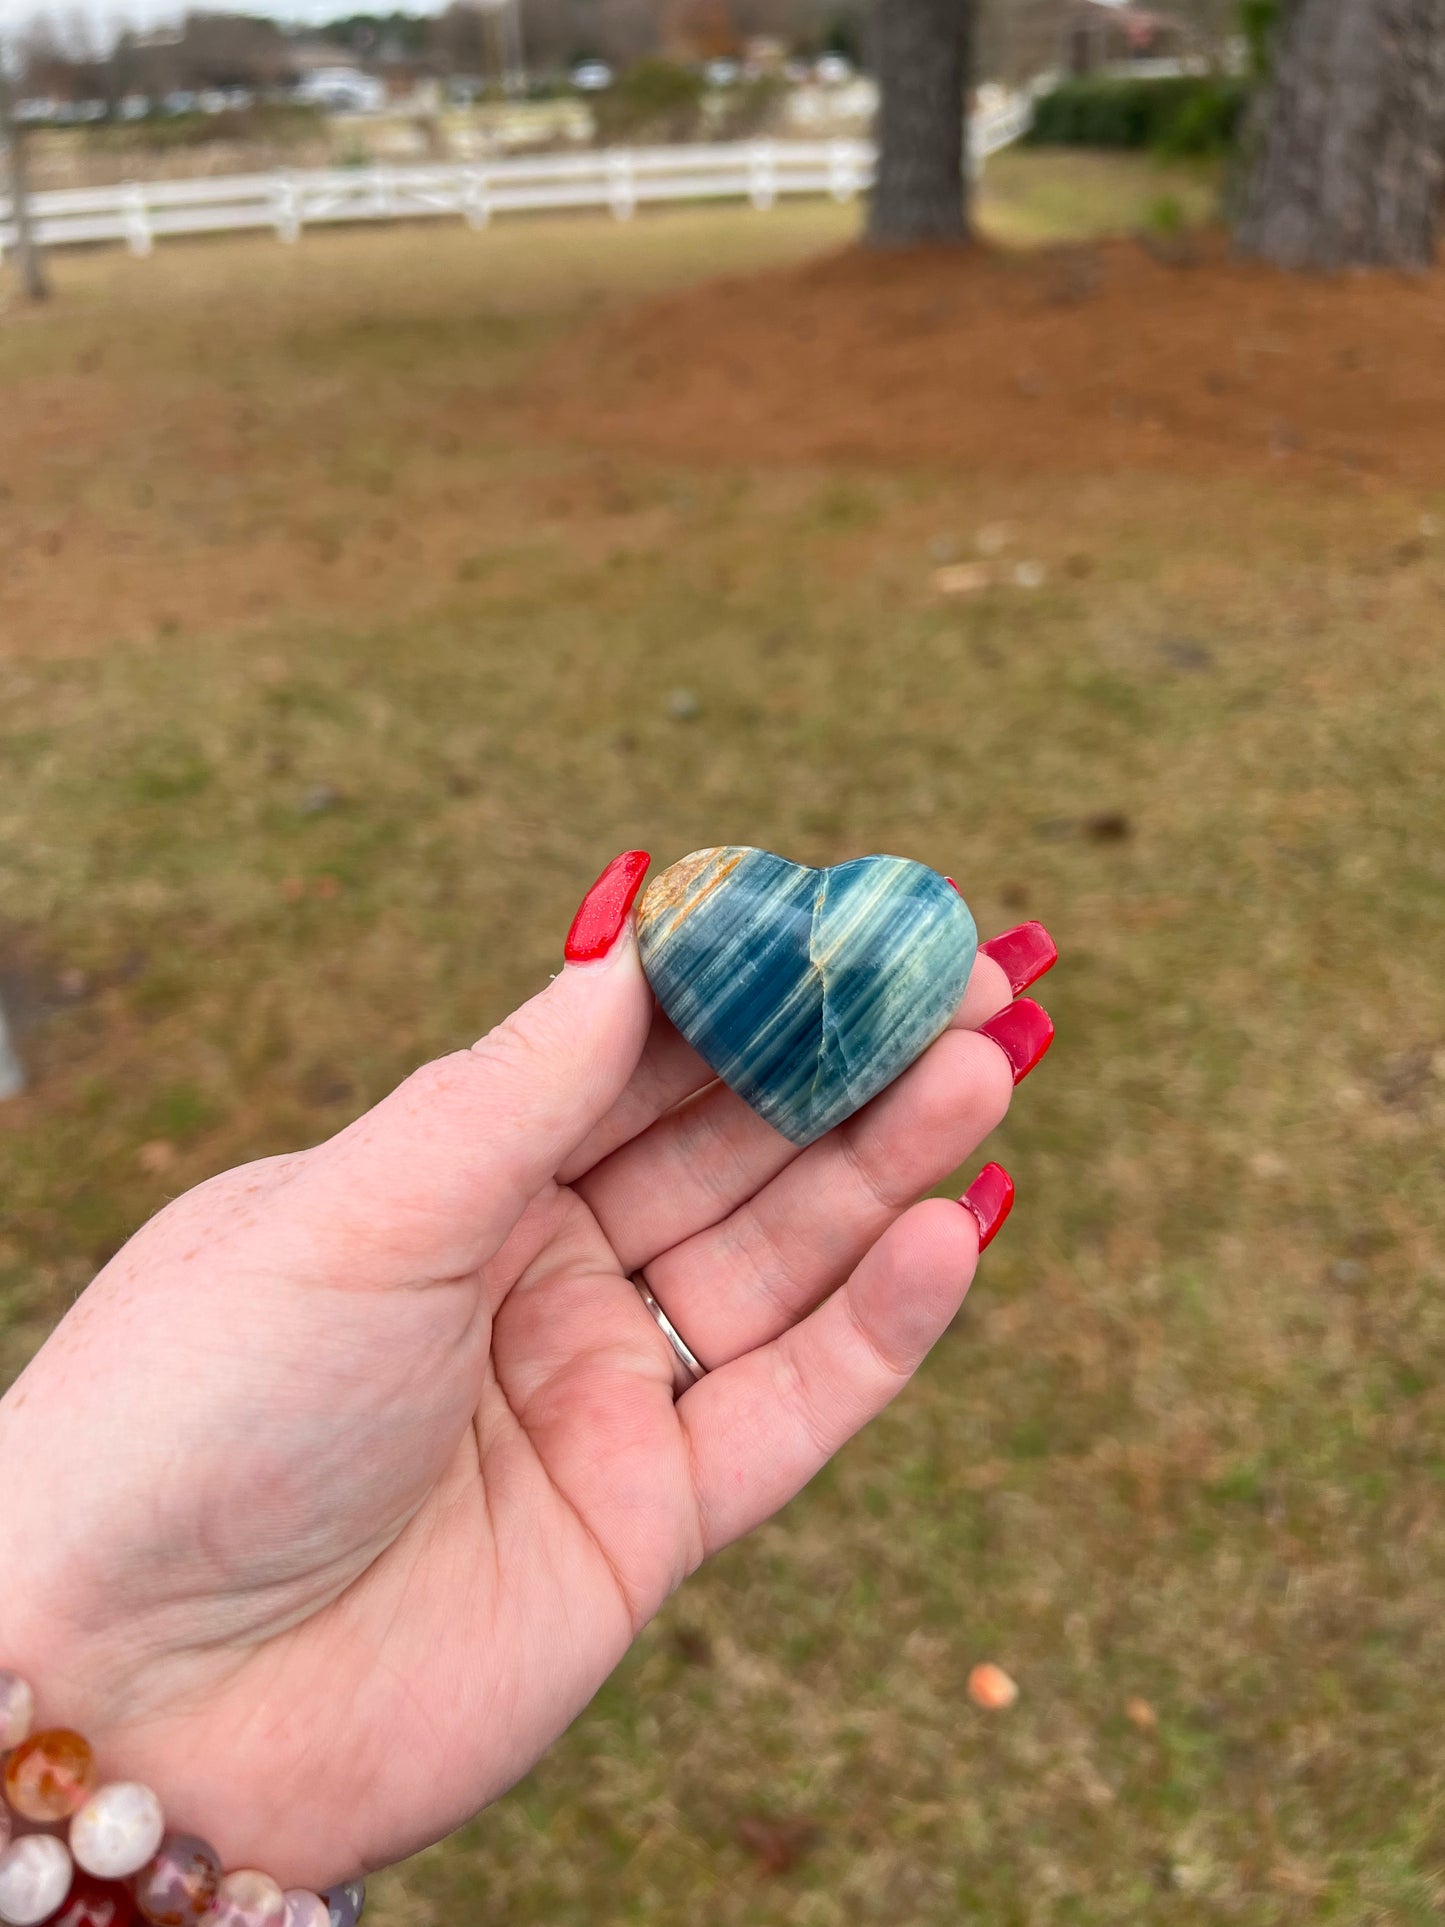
[(842, 175), (29, 257), (12, 1072), (137, 219), (287, 202), (476, 198), (622, 185), (762, 175)]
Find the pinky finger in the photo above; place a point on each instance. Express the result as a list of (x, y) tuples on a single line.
[(761, 1427)]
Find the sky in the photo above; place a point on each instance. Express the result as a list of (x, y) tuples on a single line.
[(109, 15)]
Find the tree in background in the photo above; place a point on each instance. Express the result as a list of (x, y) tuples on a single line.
[(1348, 159), (921, 55), (560, 32)]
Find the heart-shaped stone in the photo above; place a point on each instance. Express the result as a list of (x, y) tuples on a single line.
[(805, 990)]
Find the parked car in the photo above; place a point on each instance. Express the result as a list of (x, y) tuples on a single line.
[(722, 73), (591, 76), (342, 90), (833, 70)]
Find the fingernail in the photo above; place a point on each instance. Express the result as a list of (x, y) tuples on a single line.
[(990, 1198), (1023, 954), (603, 913), (1023, 1031)]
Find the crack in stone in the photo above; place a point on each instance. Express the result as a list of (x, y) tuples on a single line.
[(833, 1064)]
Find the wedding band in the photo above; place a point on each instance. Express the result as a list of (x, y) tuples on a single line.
[(686, 1368)]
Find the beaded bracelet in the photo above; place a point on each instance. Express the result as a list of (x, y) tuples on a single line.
[(129, 1868)]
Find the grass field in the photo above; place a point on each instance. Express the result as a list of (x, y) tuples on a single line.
[(325, 689)]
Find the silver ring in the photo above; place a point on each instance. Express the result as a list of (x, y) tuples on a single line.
[(687, 1368)]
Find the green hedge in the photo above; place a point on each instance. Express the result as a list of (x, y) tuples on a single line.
[(1188, 115)]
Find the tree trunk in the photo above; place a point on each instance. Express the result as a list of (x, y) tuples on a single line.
[(1349, 157), (28, 258), (922, 54)]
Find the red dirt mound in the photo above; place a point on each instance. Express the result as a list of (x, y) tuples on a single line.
[(1078, 359)]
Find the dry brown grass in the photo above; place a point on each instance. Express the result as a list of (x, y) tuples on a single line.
[(385, 680)]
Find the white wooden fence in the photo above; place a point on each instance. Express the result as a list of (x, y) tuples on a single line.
[(616, 180)]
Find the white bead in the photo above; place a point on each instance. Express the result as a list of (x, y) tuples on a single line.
[(35, 1876), (17, 1710), (117, 1830), (247, 1898), (305, 1909)]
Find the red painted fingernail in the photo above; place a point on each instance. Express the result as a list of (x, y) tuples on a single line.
[(1023, 1031), (953, 886), (990, 1198), (599, 922), (1024, 954)]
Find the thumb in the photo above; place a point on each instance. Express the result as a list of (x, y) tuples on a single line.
[(435, 1176)]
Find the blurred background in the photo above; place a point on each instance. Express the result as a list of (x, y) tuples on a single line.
[(523, 434)]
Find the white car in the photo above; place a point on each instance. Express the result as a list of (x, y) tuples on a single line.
[(591, 76), (342, 90)]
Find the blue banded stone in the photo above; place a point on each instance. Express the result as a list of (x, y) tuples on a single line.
[(807, 991)]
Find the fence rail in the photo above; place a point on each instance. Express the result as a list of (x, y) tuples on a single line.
[(616, 180)]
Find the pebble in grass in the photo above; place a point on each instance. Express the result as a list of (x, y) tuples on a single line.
[(990, 1687)]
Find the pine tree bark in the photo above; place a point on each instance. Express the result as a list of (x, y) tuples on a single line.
[(1349, 149), (922, 54)]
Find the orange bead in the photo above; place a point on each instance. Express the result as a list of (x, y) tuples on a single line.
[(50, 1776)]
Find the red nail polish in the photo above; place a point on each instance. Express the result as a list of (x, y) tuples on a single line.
[(1024, 954), (599, 922), (990, 1198), (953, 886), (1023, 1031)]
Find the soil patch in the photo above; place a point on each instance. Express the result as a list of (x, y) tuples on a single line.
[(1073, 358)]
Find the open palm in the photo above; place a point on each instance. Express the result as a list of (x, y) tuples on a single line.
[(350, 1479)]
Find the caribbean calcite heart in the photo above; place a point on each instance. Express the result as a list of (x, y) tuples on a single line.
[(807, 991)]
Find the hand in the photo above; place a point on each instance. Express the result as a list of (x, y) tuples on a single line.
[(352, 1476)]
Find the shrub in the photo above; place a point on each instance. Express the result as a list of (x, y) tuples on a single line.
[(277, 125), (655, 100), (1185, 115), (754, 108)]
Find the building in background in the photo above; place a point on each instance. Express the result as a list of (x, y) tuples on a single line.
[(1102, 37)]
